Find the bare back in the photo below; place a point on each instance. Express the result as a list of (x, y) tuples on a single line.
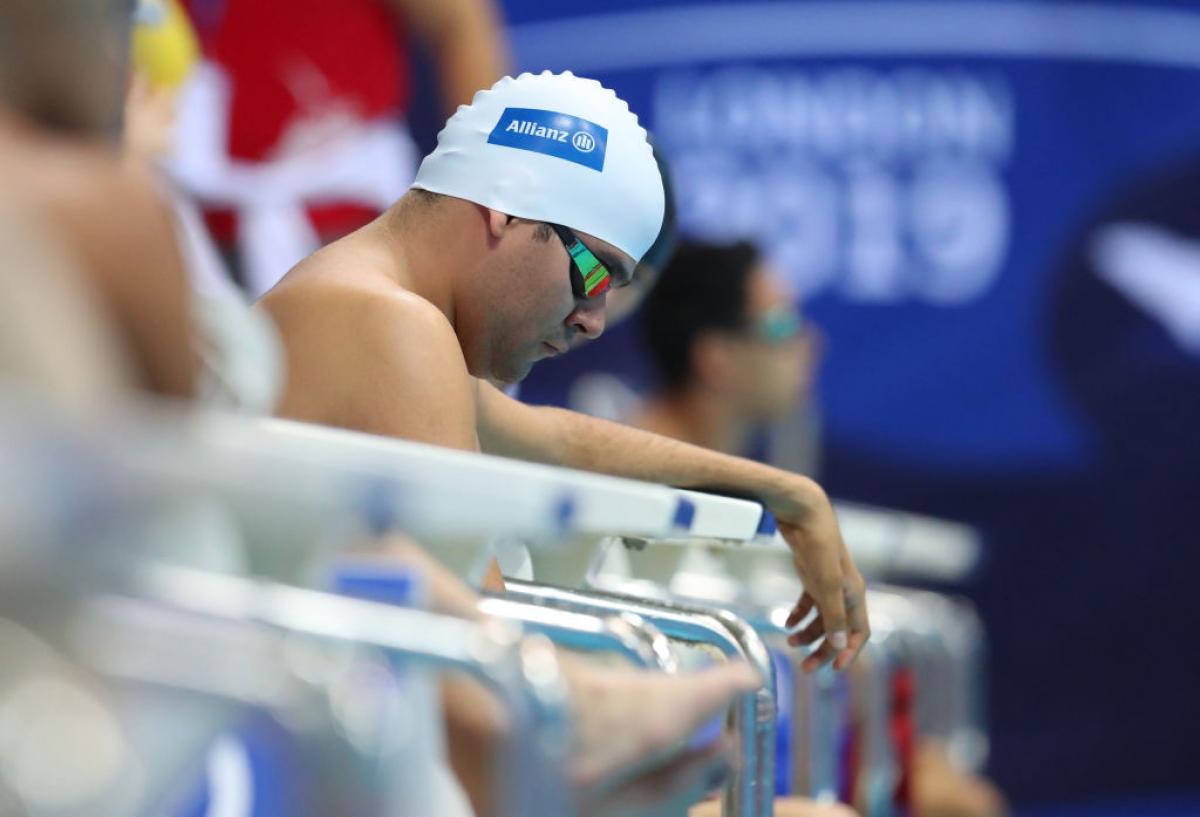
[(366, 353)]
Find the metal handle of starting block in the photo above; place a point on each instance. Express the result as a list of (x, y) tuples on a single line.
[(750, 791), (629, 636)]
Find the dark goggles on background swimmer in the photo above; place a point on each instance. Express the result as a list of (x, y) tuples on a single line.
[(589, 277)]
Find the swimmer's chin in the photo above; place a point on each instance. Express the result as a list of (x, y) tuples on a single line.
[(501, 378), (505, 372), (504, 384), (507, 380)]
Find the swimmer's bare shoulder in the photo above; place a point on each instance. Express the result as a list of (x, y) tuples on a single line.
[(365, 354)]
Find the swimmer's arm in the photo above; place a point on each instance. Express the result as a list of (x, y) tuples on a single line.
[(466, 41), (559, 437)]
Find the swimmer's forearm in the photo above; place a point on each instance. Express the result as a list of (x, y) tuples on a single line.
[(567, 438), (806, 521), (832, 584)]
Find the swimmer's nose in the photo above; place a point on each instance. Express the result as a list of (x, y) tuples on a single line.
[(588, 318)]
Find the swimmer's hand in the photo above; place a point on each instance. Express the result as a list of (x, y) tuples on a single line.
[(832, 584)]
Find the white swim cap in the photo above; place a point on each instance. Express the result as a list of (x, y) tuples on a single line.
[(555, 148)]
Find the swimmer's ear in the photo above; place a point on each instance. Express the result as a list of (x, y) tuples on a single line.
[(497, 223)]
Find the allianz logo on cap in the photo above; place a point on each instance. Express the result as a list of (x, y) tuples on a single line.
[(583, 142), (552, 133)]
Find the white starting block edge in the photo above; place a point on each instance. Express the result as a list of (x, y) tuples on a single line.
[(724, 519), (158, 450), (883, 542), (440, 494), (587, 504)]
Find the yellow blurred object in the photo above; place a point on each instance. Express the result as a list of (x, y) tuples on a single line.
[(165, 48)]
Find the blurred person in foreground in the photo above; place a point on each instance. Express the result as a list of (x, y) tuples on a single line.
[(238, 351), (734, 356), (62, 81), (294, 128)]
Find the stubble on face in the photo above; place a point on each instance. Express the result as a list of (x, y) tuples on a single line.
[(527, 307)]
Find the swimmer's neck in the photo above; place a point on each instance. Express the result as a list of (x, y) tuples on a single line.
[(425, 248)]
